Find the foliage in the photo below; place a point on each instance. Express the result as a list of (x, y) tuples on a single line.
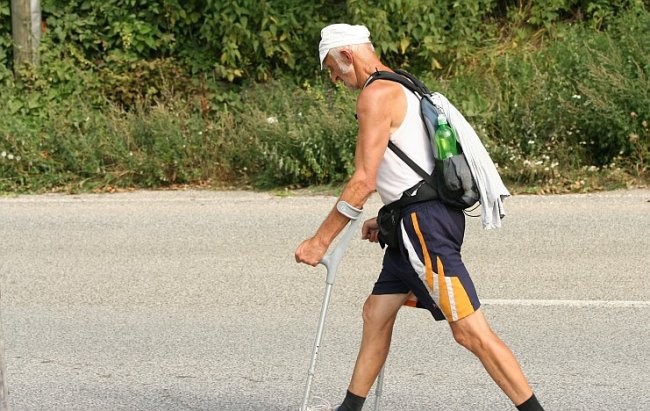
[(235, 39), (149, 93), (77, 147), (588, 110), (5, 40), (257, 39), (420, 36), (252, 37), (598, 13), (299, 138)]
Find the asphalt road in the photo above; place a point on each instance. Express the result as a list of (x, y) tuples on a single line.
[(192, 301)]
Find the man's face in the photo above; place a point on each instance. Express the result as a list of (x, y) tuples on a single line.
[(340, 71)]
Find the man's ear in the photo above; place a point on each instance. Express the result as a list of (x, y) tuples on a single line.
[(347, 55)]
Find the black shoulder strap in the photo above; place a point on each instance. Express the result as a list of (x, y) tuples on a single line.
[(414, 80), (416, 86), (428, 178), (405, 78)]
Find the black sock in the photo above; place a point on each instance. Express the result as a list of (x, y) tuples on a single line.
[(352, 402), (530, 404)]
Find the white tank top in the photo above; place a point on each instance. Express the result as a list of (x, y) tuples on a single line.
[(394, 175)]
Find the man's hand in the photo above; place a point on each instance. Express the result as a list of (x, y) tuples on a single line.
[(311, 251), (370, 230)]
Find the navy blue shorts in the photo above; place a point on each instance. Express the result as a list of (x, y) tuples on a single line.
[(428, 264)]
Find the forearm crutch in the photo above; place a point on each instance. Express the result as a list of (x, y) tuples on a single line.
[(331, 262), (379, 388)]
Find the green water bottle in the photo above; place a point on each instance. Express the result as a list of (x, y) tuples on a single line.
[(445, 138)]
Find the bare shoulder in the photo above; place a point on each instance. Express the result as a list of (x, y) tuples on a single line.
[(382, 100), (379, 91)]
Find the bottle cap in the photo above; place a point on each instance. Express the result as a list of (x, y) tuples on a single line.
[(442, 119)]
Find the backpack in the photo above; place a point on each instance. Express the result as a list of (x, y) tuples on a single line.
[(451, 180)]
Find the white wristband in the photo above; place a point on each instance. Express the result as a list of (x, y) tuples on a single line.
[(348, 210)]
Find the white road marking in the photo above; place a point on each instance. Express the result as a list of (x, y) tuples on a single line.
[(568, 303)]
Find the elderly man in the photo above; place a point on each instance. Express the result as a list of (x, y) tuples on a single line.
[(426, 265)]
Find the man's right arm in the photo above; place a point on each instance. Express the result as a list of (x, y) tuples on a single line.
[(375, 122)]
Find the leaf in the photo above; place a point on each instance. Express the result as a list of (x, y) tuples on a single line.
[(403, 44)]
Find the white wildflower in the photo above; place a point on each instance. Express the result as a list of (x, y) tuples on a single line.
[(272, 120)]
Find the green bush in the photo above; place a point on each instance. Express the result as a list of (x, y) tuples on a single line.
[(580, 101), (273, 138), (614, 106), (298, 137), (137, 93), (421, 36)]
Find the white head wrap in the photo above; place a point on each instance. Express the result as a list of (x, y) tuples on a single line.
[(338, 35)]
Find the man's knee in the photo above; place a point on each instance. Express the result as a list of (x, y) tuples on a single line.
[(381, 310), (467, 338), (472, 332), (369, 313)]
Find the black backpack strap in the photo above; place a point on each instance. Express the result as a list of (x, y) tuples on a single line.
[(420, 85), (416, 86), (407, 80), (428, 178)]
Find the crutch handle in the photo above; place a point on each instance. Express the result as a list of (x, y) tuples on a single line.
[(333, 258)]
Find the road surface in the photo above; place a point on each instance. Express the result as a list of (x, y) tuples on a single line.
[(191, 300)]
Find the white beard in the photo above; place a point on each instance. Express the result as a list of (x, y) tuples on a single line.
[(345, 69)]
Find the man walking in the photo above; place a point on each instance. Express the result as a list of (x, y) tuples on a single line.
[(426, 264)]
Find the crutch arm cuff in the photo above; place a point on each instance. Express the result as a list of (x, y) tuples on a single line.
[(348, 210)]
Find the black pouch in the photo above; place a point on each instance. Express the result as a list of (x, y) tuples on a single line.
[(388, 218), (388, 221), (454, 182)]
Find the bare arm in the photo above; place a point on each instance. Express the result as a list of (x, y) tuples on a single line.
[(376, 120)]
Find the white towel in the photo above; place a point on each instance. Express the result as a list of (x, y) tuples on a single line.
[(491, 189)]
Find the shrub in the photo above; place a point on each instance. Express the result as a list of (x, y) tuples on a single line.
[(580, 101), (301, 137), (132, 93)]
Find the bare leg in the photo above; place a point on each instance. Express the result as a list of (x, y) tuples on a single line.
[(474, 333), (379, 313)]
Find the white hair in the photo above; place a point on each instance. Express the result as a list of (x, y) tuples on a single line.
[(338, 57)]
